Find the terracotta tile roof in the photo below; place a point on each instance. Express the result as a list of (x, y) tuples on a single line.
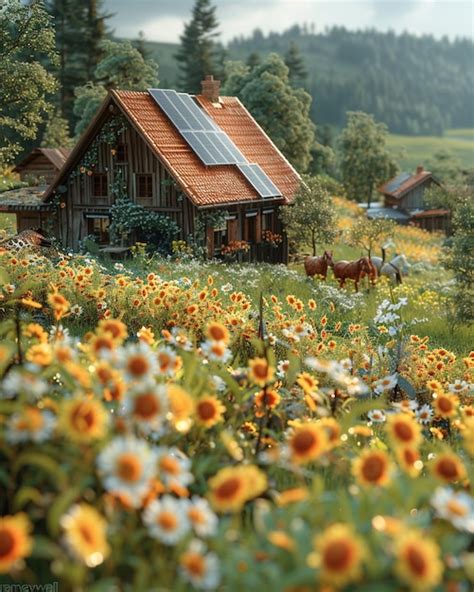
[(407, 185), (57, 157), (207, 186)]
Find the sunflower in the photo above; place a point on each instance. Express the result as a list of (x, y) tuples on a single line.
[(307, 382), (217, 332), (15, 540), (85, 531), (372, 467), (307, 442), (403, 430), (181, 407), (448, 468), (261, 372), (146, 334), (209, 411), (333, 430), (418, 562), (267, 399), (341, 553), (232, 487), (280, 539), (115, 328), (409, 460), (444, 404), (291, 496), (40, 354), (83, 419)]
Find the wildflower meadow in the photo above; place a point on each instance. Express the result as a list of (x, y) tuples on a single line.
[(178, 425)]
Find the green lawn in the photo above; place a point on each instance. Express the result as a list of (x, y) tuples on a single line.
[(419, 149)]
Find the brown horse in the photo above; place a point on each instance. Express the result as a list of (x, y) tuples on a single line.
[(318, 265), (354, 270)]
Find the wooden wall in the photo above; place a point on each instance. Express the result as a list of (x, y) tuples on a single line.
[(39, 167)]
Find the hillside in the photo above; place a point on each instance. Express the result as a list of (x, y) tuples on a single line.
[(416, 85)]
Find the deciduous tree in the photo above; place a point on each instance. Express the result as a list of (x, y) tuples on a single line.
[(364, 160), (311, 218), (366, 233), (26, 40)]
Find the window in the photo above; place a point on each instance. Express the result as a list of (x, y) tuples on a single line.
[(267, 220), (220, 239), (99, 227), (121, 153), (144, 187), (251, 228), (99, 185)]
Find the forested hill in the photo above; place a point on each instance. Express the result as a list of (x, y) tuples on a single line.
[(416, 85)]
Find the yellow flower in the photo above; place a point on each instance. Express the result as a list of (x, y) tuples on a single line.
[(403, 430), (40, 354), (209, 411), (85, 532), (307, 382), (333, 431), (232, 487), (113, 327), (372, 467), (341, 553), (279, 538), (217, 332), (146, 334), (291, 496), (83, 419), (448, 468), (15, 540), (181, 407), (409, 460), (418, 562), (444, 404), (59, 304), (261, 372), (266, 399), (307, 442)]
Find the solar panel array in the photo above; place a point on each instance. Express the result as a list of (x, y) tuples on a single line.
[(212, 145), (399, 180)]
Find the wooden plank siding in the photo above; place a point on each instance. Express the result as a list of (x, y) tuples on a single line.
[(39, 167)]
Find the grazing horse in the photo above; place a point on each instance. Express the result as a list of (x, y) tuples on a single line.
[(318, 265), (354, 270), (394, 270)]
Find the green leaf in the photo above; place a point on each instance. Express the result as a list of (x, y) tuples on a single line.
[(25, 495), (42, 461), (60, 506)]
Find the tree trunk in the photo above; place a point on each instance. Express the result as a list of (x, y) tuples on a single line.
[(313, 242)]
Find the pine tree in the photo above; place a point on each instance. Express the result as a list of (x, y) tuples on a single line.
[(254, 59), (56, 132), (280, 109), (198, 54), (295, 63)]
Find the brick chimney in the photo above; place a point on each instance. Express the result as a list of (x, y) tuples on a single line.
[(419, 169), (211, 88)]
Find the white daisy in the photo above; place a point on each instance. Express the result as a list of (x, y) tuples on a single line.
[(386, 383), (30, 424), (457, 507), (18, 381), (459, 386), (167, 360), (127, 465), (376, 415), (216, 351), (424, 414), (166, 519), (147, 406), (282, 368), (200, 567), (407, 405), (138, 362), (173, 467), (201, 517)]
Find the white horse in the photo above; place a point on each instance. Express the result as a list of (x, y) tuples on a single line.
[(394, 269)]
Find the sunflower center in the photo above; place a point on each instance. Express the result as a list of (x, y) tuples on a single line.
[(217, 333), (337, 555), (146, 406), (447, 468), (206, 410), (7, 543), (416, 561), (83, 417), (445, 405), (129, 468), (137, 366), (167, 521), (228, 488), (403, 431), (373, 468), (195, 516), (86, 534), (303, 441)]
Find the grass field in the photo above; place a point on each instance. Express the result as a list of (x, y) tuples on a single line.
[(417, 150)]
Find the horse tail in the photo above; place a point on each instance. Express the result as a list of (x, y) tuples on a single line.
[(398, 275), (384, 254)]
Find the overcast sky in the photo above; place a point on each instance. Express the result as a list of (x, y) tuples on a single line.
[(163, 20)]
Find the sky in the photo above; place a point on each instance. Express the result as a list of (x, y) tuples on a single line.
[(163, 20)]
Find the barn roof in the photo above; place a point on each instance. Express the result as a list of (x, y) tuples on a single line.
[(22, 199), (57, 157), (204, 185), (405, 182)]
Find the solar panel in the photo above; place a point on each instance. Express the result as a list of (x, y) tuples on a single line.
[(399, 179), (212, 146), (259, 180)]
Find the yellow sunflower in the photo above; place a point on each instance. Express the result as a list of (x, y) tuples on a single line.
[(209, 411), (307, 382), (261, 372), (232, 487), (307, 442), (445, 404), (181, 407), (15, 540), (217, 332), (403, 430), (448, 467), (85, 531), (372, 467), (418, 562), (341, 553), (83, 419)]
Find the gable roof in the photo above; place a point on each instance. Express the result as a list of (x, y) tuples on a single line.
[(204, 185), (405, 182), (56, 156)]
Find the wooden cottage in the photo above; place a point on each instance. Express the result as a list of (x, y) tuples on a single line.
[(196, 159), (42, 165), (404, 201)]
